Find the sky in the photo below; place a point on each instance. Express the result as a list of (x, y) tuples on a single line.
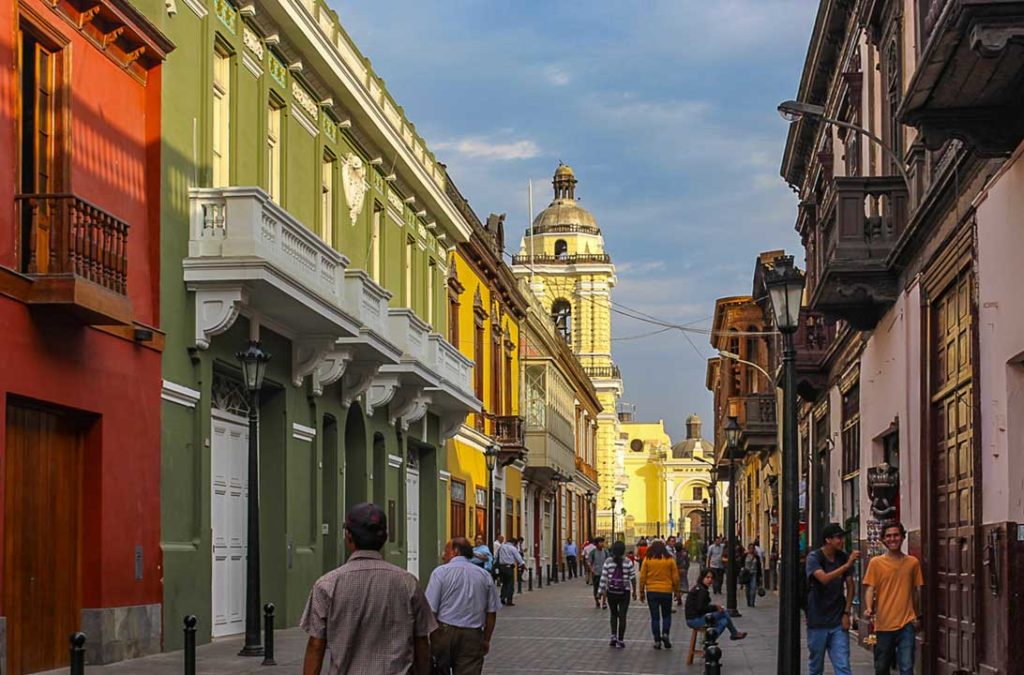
[(665, 109)]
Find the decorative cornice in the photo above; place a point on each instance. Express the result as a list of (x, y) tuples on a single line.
[(303, 433), (252, 65), (182, 395), (197, 8), (216, 311), (394, 461)]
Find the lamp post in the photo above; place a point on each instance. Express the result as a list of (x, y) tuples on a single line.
[(491, 459), (785, 285), (254, 367), (590, 515), (793, 111), (707, 521), (713, 488), (732, 435), (612, 518)]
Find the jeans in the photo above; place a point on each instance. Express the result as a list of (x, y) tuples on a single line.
[(723, 622), (895, 645), (660, 605), (752, 591), (618, 603), (836, 642), (571, 560)]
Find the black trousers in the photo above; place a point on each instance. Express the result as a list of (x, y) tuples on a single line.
[(571, 559), (716, 582), (507, 574), (618, 603)]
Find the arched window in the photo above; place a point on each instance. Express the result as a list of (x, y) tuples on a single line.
[(561, 315), (561, 248)]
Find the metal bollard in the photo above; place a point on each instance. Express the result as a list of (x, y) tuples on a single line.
[(77, 654), (268, 635), (563, 571), (529, 579), (190, 644), (712, 652), (540, 577), (519, 580)]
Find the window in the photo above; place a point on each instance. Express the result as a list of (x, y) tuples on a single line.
[(481, 513), (454, 290), (893, 130), (327, 199), (496, 397), (851, 430), (221, 142), (698, 493), (375, 267), (409, 243), (478, 358), (458, 515), (561, 314), (561, 249), (431, 280), (274, 150), (508, 380)]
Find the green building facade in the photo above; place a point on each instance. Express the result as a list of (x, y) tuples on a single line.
[(299, 208)]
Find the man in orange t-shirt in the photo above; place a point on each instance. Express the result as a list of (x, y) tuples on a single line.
[(893, 600)]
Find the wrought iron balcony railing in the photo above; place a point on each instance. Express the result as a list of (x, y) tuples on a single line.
[(567, 229), (611, 371)]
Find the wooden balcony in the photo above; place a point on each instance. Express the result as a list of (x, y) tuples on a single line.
[(968, 81), (758, 424), (861, 220), (813, 339), (76, 256), (585, 469)]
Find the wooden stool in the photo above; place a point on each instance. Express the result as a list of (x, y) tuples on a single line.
[(694, 649)]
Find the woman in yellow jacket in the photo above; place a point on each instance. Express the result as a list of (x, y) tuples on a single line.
[(659, 581)]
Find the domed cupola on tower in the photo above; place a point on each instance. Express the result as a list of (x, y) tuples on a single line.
[(564, 214)]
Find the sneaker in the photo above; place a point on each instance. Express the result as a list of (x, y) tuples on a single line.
[(657, 643), (619, 644), (613, 642), (738, 636), (665, 641)]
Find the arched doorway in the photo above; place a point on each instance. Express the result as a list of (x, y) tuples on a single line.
[(356, 473)]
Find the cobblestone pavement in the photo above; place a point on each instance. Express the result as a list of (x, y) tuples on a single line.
[(558, 630), (551, 630)]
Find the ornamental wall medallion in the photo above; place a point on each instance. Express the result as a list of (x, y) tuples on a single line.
[(353, 179)]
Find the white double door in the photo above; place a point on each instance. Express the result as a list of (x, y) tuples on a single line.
[(229, 498), (412, 520)]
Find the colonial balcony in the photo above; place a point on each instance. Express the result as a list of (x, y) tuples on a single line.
[(758, 424), (75, 258), (245, 250), (564, 259), (509, 432), (550, 439), (611, 372), (968, 80), (861, 220), (582, 468), (813, 339)]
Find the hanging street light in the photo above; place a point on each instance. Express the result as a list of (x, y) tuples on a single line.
[(254, 367), (785, 285)]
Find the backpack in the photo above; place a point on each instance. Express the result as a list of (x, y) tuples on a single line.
[(617, 580)]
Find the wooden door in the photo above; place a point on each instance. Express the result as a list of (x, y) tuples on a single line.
[(952, 468), (42, 537), (228, 518)]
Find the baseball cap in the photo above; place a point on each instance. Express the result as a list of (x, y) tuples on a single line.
[(367, 521), (832, 530)]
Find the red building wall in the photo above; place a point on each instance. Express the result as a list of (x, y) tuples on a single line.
[(46, 355)]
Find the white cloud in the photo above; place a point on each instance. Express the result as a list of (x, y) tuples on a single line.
[(557, 75), (481, 147), (639, 268)]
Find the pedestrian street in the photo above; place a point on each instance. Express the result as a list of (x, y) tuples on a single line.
[(557, 629)]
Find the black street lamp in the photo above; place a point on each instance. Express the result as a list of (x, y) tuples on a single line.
[(556, 530), (491, 458), (785, 285), (254, 367), (613, 519), (707, 520), (732, 436), (590, 515)]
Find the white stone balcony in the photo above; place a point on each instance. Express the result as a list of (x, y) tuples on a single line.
[(246, 251)]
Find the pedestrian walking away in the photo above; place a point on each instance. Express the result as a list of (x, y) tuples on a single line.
[(571, 557), (682, 557), (598, 555), (892, 600), (370, 614), (830, 595), (698, 605), (616, 581), (659, 582), (509, 560), (716, 553), (752, 574), (465, 603)]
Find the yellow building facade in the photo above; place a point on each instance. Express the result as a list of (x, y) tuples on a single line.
[(564, 259), (643, 509), (485, 313)]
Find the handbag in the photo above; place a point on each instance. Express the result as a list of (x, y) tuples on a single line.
[(760, 591), (744, 576)]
